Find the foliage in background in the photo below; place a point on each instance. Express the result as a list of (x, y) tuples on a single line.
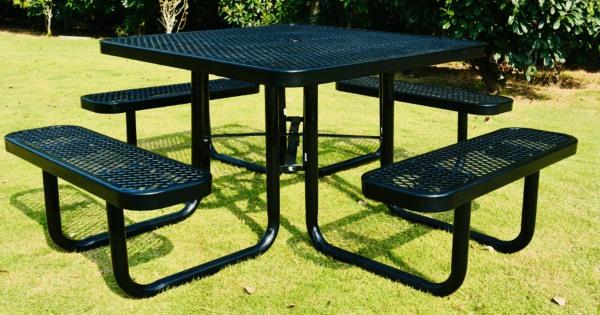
[(525, 35), (246, 13), (170, 10), (137, 13), (36, 8)]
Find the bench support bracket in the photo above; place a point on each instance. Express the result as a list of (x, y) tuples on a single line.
[(54, 222), (530, 194)]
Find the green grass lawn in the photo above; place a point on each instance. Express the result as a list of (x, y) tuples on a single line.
[(41, 80)]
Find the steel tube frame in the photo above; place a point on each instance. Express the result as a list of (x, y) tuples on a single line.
[(117, 231), (460, 241), (131, 128), (283, 147), (200, 120), (54, 222), (529, 211)]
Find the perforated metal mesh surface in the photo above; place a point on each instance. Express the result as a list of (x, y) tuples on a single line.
[(293, 46), (454, 166), (165, 91), (433, 91), (120, 165)]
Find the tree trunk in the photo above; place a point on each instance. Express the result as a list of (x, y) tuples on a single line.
[(314, 11)]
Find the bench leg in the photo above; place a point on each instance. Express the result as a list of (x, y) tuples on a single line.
[(131, 128), (117, 232), (54, 222), (463, 121), (458, 269), (530, 194)]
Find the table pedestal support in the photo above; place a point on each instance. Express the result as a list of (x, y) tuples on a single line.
[(200, 120)]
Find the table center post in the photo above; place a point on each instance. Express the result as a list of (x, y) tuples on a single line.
[(200, 120), (386, 116)]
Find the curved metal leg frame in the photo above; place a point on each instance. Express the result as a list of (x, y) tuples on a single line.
[(530, 194), (118, 234), (118, 251), (458, 269), (54, 223), (462, 217)]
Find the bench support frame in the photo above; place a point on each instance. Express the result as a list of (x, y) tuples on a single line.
[(530, 196), (54, 221)]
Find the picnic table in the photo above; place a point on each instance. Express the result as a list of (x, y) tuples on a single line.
[(282, 56)]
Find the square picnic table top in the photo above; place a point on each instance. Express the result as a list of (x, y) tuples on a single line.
[(292, 55)]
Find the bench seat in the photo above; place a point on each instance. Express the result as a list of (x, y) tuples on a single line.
[(450, 178), (130, 101), (161, 96), (126, 177), (463, 102)]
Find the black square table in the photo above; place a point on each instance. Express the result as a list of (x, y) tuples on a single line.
[(282, 56)]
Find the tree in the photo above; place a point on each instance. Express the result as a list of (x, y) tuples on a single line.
[(37, 8), (169, 10)]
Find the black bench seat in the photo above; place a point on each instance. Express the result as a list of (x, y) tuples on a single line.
[(130, 101), (450, 178), (126, 177), (463, 102)]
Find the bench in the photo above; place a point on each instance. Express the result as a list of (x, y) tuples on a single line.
[(450, 178), (130, 101), (126, 177), (463, 102)]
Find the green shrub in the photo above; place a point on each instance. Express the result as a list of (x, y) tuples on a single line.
[(524, 34)]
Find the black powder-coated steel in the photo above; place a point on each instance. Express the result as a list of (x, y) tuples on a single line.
[(123, 175), (131, 127), (54, 222), (292, 55), (118, 249), (437, 181), (386, 117), (237, 162), (530, 195), (463, 102), (432, 96), (452, 176), (201, 142), (161, 96)]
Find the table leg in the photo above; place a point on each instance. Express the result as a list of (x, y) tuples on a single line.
[(310, 159), (386, 113), (272, 152), (200, 121), (282, 125)]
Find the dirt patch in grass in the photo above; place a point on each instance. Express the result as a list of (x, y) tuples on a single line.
[(457, 75)]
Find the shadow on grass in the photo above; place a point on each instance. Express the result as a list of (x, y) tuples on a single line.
[(329, 149), (464, 78), (84, 216), (241, 195)]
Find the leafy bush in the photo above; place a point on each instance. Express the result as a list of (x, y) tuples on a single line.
[(525, 34), (246, 13)]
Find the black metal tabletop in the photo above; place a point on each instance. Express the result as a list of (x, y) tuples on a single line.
[(292, 55)]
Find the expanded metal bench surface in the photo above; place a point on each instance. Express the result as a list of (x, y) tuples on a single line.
[(125, 176), (161, 96), (452, 176), (432, 96)]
